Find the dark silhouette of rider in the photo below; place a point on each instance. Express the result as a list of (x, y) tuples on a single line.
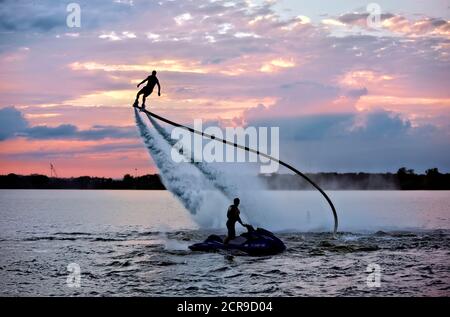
[(233, 215), (148, 89)]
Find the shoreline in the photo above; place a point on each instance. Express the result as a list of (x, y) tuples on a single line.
[(402, 180)]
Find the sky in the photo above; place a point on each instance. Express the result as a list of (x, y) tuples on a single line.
[(347, 95)]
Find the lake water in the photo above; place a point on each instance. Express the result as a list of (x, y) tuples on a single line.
[(135, 243)]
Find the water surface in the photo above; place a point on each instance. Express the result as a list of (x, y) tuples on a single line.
[(134, 243)]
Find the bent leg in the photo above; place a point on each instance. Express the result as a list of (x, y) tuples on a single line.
[(146, 94), (140, 92)]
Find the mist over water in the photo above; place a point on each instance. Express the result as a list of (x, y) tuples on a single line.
[(217, 178), (207, 189), (208, 206), (230, 186), (183, 180), (173, 176)]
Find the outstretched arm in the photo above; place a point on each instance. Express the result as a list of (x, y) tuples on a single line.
[(240, 221), (142, 82), (159, 88)]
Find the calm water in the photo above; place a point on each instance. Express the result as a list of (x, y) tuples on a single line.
[(134, 243)]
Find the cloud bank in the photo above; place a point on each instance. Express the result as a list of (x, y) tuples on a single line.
[(13, 124)]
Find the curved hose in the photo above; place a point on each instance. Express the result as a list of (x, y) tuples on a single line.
[(296, 171)]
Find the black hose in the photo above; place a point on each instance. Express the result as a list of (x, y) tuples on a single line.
[(212, 137)]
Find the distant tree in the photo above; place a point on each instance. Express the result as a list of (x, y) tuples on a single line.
[(434, 179), (407, 178), (12, 178), (39, 181), (128, 181), (405, 171), (432, 172), (127, 178)]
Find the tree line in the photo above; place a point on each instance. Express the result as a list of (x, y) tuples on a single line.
[(404, 179)]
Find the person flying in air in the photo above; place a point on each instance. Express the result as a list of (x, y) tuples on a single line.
[(233, 215), (147, 90)]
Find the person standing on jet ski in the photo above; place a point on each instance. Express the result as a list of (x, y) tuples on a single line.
[(233, 215)]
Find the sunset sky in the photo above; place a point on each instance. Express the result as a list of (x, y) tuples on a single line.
[(346, 96)]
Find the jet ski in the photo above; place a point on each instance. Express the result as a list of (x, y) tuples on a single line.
[(252, 242)]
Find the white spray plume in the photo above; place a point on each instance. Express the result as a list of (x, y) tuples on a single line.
[(206, 206), (275, 210), (216, 177)]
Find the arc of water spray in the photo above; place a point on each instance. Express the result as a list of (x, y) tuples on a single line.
[(296, 171), (216, 177), (188, 196), (211, 174)]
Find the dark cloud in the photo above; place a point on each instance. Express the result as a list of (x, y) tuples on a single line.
[(371, 141), (312, 127), (399, 23), (382, 124), (36, 17), (438, 23), (47, 23), (367, 126), (47, 15), (68, 131), (13, 124), (350, 18), (63, 131)]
